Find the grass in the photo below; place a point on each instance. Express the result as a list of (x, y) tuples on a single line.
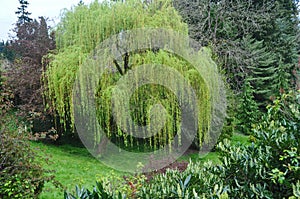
[(213, 155), (74, 165), (240, 138), (194, 157)]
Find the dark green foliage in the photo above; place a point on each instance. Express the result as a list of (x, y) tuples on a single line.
[(259, 69), (250, 38), (223, 25), (280, 38), (6, 52), (230, 122), (248, 112), (20, 173), (23, 13), (271, 166)]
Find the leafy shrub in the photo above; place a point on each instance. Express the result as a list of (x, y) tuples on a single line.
[(6, 94), (99, 191), (296, 190), (197, 181), (270, 167), (278, 135), (20, 173)]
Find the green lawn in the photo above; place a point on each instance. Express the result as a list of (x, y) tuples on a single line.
[(75, 166), (72, 166), (240, 138)]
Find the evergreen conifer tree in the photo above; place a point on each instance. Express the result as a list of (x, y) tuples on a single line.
[(269, 27), (279, 36), (248, 109), (23, 14)]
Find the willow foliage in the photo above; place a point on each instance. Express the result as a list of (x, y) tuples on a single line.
[(78, 34)]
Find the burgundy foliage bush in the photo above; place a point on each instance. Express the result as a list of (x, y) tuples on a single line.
[(32, 42)]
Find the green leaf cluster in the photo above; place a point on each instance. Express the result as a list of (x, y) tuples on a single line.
[(21, 175)]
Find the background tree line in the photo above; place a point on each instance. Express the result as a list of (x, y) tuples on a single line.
[(255, 44)]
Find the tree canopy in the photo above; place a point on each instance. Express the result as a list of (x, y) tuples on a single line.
[(84, 27)]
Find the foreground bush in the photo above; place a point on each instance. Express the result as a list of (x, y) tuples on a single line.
[(20, 173), (269, 168), (98, 192)]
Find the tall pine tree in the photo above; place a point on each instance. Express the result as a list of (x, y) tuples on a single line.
[(23, 14), (279, 36), (259, 69), (248, 113), (227, 26)]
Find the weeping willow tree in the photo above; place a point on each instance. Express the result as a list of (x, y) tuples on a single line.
[(78, 35)]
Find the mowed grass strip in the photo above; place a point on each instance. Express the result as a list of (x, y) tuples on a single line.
[(72, 166), (76, 166)]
